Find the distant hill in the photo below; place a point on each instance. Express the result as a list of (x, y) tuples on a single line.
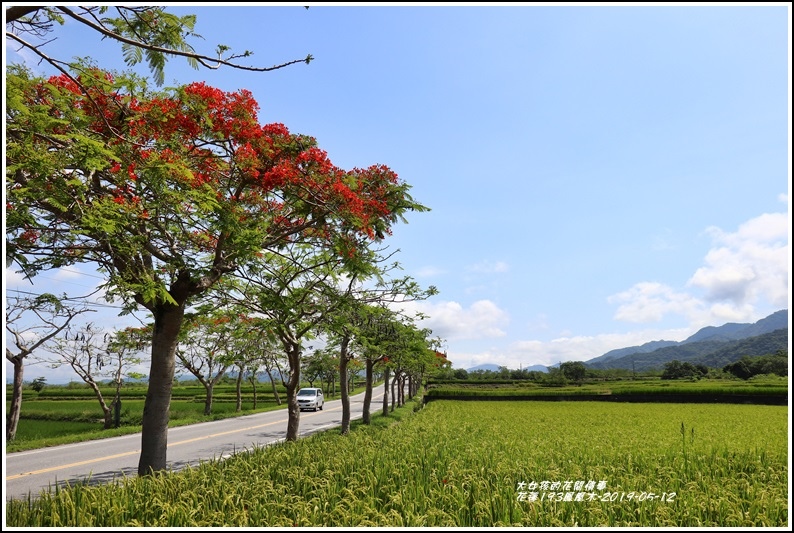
[(752, 346), (733, 331), (487, 366), (711, 346), (621, 352)]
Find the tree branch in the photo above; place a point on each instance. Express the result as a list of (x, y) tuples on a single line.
[(15, 13), (206, 61)]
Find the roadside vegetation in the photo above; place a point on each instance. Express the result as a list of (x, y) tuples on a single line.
[(472, 464)]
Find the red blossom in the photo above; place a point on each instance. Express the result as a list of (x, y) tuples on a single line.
[(212, 138), (30, 236)]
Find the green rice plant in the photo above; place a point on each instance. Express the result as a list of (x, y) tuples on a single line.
[(626, 387), (473, 464)]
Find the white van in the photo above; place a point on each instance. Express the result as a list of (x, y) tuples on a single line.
[(311, 398)]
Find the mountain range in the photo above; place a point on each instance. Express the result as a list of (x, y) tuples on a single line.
[(713, 346)]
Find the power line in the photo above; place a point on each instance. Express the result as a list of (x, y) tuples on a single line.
[(82, 273), (64, 269), (69, 299)]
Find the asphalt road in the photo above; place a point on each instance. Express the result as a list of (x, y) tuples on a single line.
[(104, 460)]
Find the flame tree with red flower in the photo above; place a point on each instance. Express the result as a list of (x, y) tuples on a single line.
[(169, 191)]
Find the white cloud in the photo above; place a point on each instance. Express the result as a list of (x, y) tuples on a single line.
[(745, 272), (749, 266), (71, 273), (451, 321), (12, 278), (650, 302), (489, 267), (68, 280), (582, 348), (429, 271)]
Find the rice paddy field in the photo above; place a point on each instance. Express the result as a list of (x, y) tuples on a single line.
[(475, 464)]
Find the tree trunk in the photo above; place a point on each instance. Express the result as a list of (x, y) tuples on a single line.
[(108, 418), (275, 388), (293, 409), (343, 384), (253, 385), (394, 391), (239, 406), (115, 404), (16, 397), (386, 391), (154, 434), (210, 386), (367, 392), (107, 412)]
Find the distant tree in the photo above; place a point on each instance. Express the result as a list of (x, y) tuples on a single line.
[(460, 373), (554, 376), (747, 367), (31, 322), (206, 347), (535, 375), (573, 371), (321, 365), (38, 384), (375, 340), (409, 354), (702, 369), (94, 355), (738, 369), (675, 369)]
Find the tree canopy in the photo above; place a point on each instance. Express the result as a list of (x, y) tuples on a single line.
[(167, 191)]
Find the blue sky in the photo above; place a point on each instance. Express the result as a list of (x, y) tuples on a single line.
[(598, 176)]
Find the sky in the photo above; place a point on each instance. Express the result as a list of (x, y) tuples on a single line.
[(598, 176)]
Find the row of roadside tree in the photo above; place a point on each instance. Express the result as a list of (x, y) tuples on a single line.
[(237, 238)]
